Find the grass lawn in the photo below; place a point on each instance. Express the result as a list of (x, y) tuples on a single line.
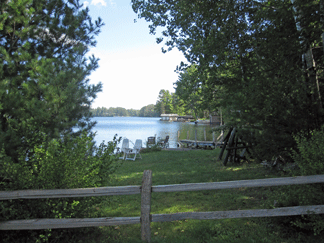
[(176, 167)]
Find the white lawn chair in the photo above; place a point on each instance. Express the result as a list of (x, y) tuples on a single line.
[(125, 148), (131, 155)]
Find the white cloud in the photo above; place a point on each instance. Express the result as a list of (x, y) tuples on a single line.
[(95, 2), (112, 3), (85, 4)]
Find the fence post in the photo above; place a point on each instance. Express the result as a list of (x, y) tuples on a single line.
[(146, 206)]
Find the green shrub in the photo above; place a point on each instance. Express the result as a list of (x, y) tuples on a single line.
[(309, 157), (58, 164), (310, 153)]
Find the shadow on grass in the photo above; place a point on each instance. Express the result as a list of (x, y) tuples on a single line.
[(178, 167)]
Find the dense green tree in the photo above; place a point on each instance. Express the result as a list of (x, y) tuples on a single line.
[(133, 112), (45, 98), (121, 112), (148, 111), (164, 102), (43, 71), (178, 105), (262, 61), (199, 98), (188, 88)]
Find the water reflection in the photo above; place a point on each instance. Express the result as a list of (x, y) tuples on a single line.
[(143, 127)]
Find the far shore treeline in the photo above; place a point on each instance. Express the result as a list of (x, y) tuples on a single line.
[(146, 111), (182, 102)]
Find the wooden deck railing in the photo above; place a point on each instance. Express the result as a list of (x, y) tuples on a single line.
[(146, 217)]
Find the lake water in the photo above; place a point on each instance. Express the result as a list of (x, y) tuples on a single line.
[(143, 127)]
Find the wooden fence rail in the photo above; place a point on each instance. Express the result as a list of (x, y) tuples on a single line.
[(146, 217)]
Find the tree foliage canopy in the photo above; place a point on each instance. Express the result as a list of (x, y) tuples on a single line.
[(261, 62), (45, 98), (164, 103), (44, 70)]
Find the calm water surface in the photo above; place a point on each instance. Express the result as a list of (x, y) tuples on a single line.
[(143, 127)]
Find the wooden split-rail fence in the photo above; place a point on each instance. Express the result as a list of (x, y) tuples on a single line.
[(146, 217)]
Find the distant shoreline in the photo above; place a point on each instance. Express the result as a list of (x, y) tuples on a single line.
[(128, 116)]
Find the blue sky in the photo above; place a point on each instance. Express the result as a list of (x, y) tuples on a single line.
[(132, 67)]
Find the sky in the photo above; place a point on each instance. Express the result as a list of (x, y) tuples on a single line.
[(132, 67)]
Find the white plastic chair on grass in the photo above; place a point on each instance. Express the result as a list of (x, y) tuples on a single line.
[(125, 148), (131, 155)]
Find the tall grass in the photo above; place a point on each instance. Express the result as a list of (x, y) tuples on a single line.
[(176, 167)]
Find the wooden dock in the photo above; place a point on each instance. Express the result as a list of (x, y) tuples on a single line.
[(178, 149), (197, 144), (200, 144)]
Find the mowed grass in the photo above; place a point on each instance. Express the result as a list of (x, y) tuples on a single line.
[(195, 166)]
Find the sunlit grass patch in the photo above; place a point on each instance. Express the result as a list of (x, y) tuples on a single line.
[(196, 166), (123, 206)]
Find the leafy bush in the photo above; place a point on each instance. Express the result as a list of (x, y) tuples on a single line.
[(310, 153), (58, 164), (310, 159)]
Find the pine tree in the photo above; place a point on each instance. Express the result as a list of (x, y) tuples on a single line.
[(43, 71)]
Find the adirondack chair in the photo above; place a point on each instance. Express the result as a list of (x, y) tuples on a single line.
[(165, 142), (132, 153), (125, 148), (150, 142)]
